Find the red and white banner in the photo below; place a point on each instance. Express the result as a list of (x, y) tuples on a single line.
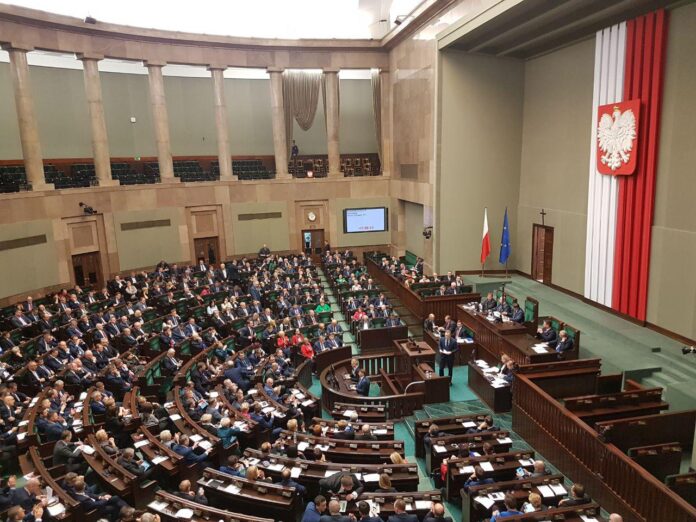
[(629, 62)]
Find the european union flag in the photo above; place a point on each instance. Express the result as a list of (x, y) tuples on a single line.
[(505, 241)]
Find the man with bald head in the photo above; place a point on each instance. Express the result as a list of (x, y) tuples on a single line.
[(437, 514), (615, 517), (335, 514)]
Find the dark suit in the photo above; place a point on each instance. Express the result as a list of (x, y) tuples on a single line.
[(517, 315), (548, 336), (447, 360), (403, 517), (564, 346), (334, 518), (363, 386)]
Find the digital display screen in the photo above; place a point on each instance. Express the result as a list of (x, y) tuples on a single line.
[(365, 220)]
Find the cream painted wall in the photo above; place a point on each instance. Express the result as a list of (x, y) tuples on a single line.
[(357, 132), (30, 266), (249, 116), (147, 246), (672, 285), (10, 146), (480, 144), (191, 116), (340, 240), (555, 156), (61, 111), (414, 227), (249, 236), (126, 96)]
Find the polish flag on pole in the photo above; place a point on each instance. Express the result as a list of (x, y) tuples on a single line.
[(486, 241)]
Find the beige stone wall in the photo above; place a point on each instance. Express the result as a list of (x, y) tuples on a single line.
[(555, 159), (672, 285), (480, 145), (413, 219), (28, 267), (147, 246), (251, 235)]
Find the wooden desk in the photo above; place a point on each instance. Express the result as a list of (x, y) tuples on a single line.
[(420, 352), (435, 388), (381, 430), (453, 425), (167, 505), (497, 399), (475, 511), (260, 498), (348, 451), (404, 477), (510, 338), (659, 459), (450, 444), (328, 357), (376, 339), (504, 467)]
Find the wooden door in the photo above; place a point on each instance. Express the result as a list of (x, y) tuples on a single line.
[(208, 249), (542, 253), (87, 270), (313, 242)]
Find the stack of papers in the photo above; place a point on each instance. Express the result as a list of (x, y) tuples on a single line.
[(330, 472), (423, 504), (158, 459), (499, 383), (540, 349), (276, 467), (486, 466), (371, 477), (349, 413), (56, 509), (302, 446), (546, 492), (559, 490), (485, 501), (481, 363), (379, 431), (157, 505), (175, 417), (469, 424), (585, 518), (508, 440), (232, 488), (466, 470), (439, 449), (295, 472), (88, 450), (141, 443), (526, 462), (185, 513)]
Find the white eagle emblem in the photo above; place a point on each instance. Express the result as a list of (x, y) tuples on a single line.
[(616, 134)]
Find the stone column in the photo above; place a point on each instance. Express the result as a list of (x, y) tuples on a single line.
[(332, 122), (100, 139), (386, 117), (160, 120), (26, 119), (280, 145), (223, 140)]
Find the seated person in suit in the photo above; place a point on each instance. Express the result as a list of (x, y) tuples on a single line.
[(233, 467), (344, 484), (393, 320), (488, 304), (335, 514), (503, 307), (509, 511), (577, 497), (565, 343), (363, 386), (106, 505), (433, 431), (365, 433), (286, 481), (437, 514), (364, 512), (533, 504), (187, 493), (511, 369), (183, 448), (477, 478), (68, 454), (547, 334), (400, 514), (429, 323), (517, 313)]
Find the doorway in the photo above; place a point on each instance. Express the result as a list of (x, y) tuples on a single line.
[(313, 243), (207, 249), (542, 253), (87, 270)]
